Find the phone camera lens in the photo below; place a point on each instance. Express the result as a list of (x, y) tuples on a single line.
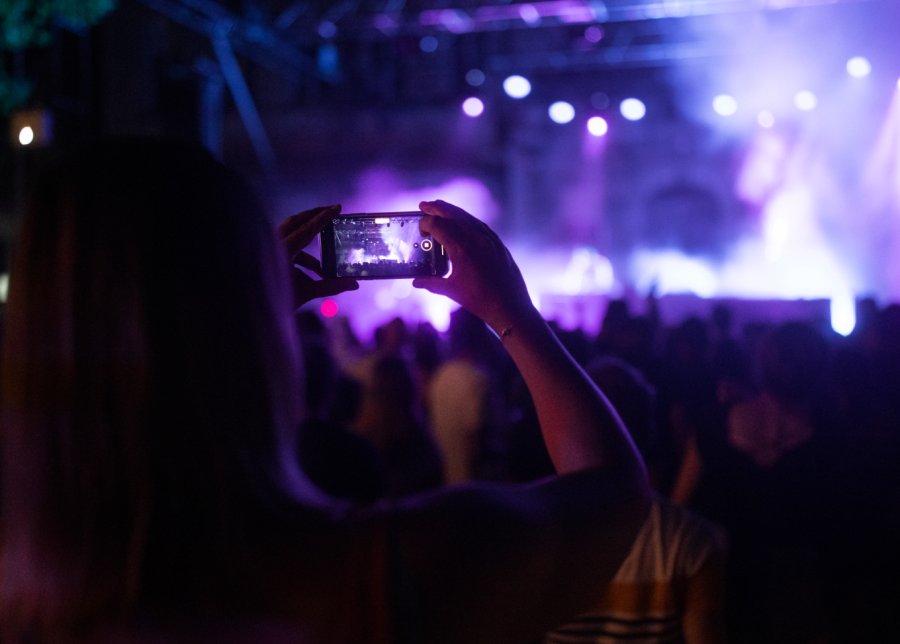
[(426, 244)]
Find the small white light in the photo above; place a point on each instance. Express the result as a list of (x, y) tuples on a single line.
[(26, 135), (517, 86), (725, 105), (805, 101), (843, 313), (597, 126), (561, 112), (473, 107), (859, 67), (633, 109)]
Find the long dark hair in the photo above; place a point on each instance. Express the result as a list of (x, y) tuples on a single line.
[(149, 383)]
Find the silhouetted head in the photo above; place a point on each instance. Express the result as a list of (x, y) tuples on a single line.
[(633, 397), (792, 359), (150, 379)]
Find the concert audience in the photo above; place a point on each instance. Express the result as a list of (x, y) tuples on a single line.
[(151, 391), (786, 437), (152, 433)]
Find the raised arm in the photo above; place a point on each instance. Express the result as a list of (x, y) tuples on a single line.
[(580, 427), (503, 563)]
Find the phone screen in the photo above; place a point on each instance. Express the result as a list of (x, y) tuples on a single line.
[(380, 246)]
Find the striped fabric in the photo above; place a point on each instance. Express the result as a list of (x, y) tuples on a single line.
[(646, 599)]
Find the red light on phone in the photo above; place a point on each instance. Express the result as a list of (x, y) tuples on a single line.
[(329, 308)]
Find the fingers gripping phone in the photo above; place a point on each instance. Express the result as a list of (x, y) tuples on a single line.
[(383, 245)]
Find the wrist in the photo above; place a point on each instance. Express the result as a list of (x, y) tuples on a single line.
[(512, 323)]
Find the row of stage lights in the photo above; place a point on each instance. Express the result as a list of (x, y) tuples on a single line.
[(633, 109)]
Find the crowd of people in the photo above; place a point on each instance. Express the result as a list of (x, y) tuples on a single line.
[(775, 442), (152, 447), (189, 454)]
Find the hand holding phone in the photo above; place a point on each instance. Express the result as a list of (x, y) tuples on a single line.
[(485, 278), (296, 233), (385, 245)]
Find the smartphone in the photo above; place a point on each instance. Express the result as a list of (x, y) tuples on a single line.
[(382, 245)]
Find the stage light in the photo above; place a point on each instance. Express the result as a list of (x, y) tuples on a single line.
[(765, 119), (805, 101), (593, 34), (327, 29), (561, 112), (859, 67), (428, 44), (31, 128), (329, 308), (597, 126), (529, 14), (517, 86), (473, 107), (26, 135), (633, 109), (600, 100), (725, 105), (843, 314), (475, 77)]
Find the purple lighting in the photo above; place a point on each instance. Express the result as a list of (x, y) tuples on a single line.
[(473, 107), (593, 34)]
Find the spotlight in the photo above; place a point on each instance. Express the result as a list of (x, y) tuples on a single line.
[(597, 126), (859, 67), (529, 15), (633, 109), (473, 107), (561, 112), (600, 100), (843, 313), (327, 29), (765, 119), (805, 101), (593, 34), (26, 135), (31, 127), (475, 77), (428, 44), (517, 86), (725, 105)]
